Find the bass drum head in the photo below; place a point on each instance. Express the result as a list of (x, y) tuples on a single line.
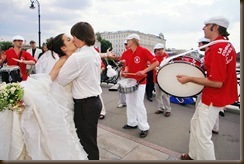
[(167, 81)]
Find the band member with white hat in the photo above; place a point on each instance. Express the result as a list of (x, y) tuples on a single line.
[(163, 98), (18, 57), (219, 90), (136, 63)]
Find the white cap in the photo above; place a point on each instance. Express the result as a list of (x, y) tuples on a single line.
[(18, 37), (219, 20), (203, 40), (133, 36), (158, 46)]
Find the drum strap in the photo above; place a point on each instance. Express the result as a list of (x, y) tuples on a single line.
[(141, 80), (165, 61), (19, 57)]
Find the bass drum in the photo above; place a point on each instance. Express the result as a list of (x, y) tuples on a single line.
[(167, 81)]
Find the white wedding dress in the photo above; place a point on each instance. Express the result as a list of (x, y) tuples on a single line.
[(46, 62), (45, 130)]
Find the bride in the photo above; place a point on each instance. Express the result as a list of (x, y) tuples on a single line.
[(45, 130)]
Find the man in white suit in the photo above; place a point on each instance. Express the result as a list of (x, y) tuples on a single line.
[(35, 52)]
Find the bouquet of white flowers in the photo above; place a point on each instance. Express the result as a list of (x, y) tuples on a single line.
[(11, 96)]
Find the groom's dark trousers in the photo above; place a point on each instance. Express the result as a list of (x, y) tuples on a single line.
[(86, 115)]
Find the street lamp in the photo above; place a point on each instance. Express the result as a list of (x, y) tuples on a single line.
[(39, 19)]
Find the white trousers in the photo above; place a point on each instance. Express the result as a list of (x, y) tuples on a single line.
[(103, 111), (201, 146), (216, 126), (162, 99), (136, 111), (122, 98)]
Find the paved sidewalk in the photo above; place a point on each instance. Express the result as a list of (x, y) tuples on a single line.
[(115, 145), (168, 136)]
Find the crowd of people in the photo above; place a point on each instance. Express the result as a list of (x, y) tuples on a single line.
[(65, 79)]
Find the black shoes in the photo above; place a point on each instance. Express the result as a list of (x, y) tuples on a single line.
[(185, 157), (167, 114), (159, 112), (215, 132), (101, 116), (221, 113), (121, 105), (143, 133), (149, 99), (129, 127)]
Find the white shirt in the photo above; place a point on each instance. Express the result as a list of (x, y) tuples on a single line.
[(83, 69), (46, 62), (36, 54)]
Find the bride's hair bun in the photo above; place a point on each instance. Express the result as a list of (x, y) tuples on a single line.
[(50, 44), (55, 44)]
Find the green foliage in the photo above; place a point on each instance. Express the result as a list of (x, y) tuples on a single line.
[(5, 45), (105, 44), (98, 35)]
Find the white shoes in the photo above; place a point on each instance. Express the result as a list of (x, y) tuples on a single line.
[(121, 105)]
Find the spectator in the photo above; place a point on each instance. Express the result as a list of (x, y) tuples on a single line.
[(35, 52)]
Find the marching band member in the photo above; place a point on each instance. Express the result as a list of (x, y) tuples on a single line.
[(136, 62), (219, 90), (18, 57), (163, 98), (201, 42)]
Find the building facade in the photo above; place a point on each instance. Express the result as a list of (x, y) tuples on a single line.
[(118, 38)]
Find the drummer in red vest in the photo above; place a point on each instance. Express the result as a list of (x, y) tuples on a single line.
[(219, 90), (162, 97), (136, 63), (18, 57)]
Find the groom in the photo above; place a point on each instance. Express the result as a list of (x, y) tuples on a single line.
[(82, 68)]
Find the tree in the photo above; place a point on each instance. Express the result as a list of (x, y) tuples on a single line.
[(105, 44), (5, 45), (99, 38)]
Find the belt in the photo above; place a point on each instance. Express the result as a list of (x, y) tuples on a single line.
[(85, 99)]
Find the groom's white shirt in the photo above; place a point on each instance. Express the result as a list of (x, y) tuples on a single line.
[(82, 68)]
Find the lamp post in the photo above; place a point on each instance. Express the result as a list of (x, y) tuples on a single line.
[(39, 19)]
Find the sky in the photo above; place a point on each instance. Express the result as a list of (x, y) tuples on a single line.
[(180, 21)]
